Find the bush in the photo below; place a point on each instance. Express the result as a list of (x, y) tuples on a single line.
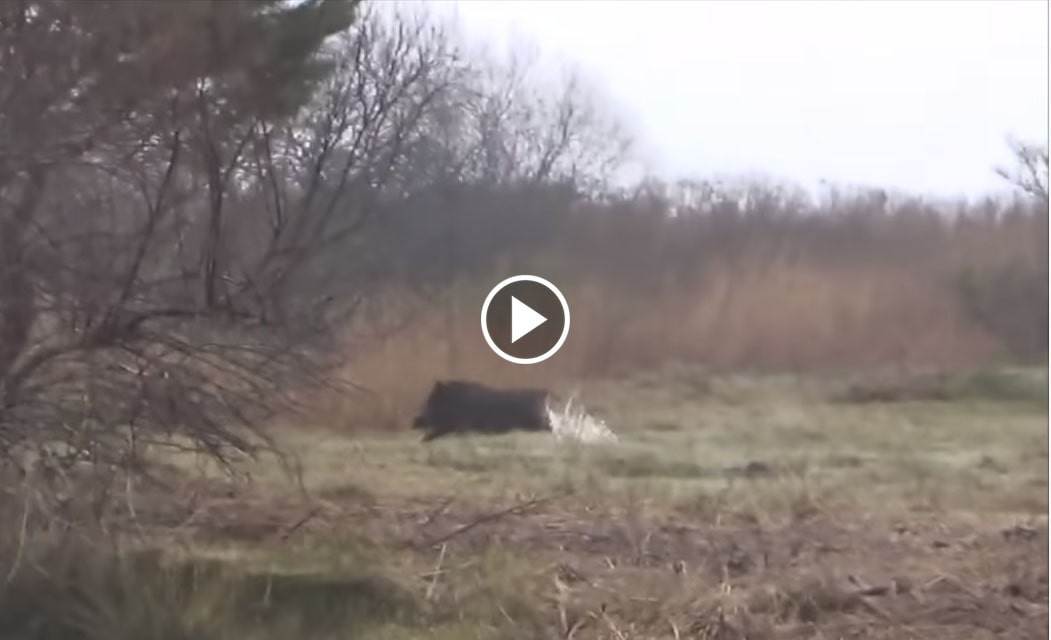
[(1011, 303)]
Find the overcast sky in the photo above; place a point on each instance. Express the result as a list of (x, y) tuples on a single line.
[(913, 95)]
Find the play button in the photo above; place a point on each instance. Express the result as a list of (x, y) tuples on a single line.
[(525, 319)]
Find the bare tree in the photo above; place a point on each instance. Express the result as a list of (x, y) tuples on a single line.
[(521, 127), (1030, 173), (127, 319)]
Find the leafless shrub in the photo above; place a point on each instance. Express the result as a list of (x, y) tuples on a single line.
[(163, 279)]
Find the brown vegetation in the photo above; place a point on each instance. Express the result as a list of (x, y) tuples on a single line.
[(732, 280)]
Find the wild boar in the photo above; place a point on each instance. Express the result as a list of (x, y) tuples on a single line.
[(457, 407)]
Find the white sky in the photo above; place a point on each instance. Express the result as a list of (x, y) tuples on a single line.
[(911, 95)]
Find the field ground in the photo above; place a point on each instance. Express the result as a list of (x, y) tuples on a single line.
[(733, 507)]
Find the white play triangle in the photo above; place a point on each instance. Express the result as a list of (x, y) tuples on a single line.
[(523, 319)]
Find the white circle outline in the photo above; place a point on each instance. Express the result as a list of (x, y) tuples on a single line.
[(565, 327)]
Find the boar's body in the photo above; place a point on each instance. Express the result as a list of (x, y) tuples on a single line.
[(458, 406)]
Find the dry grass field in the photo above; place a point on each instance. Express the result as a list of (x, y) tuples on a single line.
[(732, 507)]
